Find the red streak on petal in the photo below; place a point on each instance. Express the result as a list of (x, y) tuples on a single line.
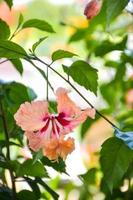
[(45, 127), (61, 119)]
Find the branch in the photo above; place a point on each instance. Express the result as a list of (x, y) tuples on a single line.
[(100, 114), (8, 149)]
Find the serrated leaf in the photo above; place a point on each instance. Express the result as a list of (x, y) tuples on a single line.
[(9, 3), (30, 169), (11, 50), (4, 30), (115, 160), (59, 54), (83, 74), (18, 65), (39, 24), (35, 45), (114, 8)]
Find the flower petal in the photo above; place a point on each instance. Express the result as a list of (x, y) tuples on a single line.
[(36, 141), (50, 149), (65, 104), (55, 148), (30, 116), (66, 147)]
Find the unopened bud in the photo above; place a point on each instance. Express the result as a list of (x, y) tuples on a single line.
[(92, 9)]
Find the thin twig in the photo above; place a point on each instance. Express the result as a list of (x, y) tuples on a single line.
[(100, 114)]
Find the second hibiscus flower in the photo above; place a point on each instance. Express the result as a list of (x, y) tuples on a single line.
[(48, 131)]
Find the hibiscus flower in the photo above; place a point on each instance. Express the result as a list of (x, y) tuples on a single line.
[(48, 131)]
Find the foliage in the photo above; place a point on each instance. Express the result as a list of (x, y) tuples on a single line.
[(116, 155)]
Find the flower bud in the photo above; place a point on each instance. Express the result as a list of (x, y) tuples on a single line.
[(92, 9)]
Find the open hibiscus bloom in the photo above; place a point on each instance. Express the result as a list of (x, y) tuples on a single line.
[(47, 131)]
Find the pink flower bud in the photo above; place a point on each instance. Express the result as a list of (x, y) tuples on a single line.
[(92, 9)]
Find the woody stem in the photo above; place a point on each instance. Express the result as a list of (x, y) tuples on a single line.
[(99, 113)]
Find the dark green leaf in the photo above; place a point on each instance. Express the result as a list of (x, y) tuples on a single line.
[(38, 43), (30, 169), (52, 192), (35, 188), (39, 24), (9, 3), (83, 74), (107, 46), (90, 176), (5, 193), (4, 30), (59, 54), (26, 195), (11, 50), (114, 8), (58, 166), (115, 160), (18, 65)]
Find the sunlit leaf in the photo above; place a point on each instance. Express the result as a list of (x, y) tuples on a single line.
[(35, 45), (59, 54), (11, 50), (83, 74), (39, 24), (4, 30)]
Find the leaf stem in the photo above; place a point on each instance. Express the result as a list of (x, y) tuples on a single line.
[(47, 92), (100, 114), (8, 149)]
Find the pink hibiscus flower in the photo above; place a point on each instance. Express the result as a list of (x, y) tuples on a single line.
[(47, 131)]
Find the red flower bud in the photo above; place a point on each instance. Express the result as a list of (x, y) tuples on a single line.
[(92, 9)]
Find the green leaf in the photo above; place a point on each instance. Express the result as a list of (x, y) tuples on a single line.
[(39, 24), (35, 45), (18, 65), (80, 34), (4, 30), (115, 160), (58, 166), (20, 20), (59, 54), (52, 192), (114, 8), (90, 176), (11, 50), (106, 46), (83, 74), (30, 169), (26, 195), (5, 193), (35, 188), (9, 3)]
